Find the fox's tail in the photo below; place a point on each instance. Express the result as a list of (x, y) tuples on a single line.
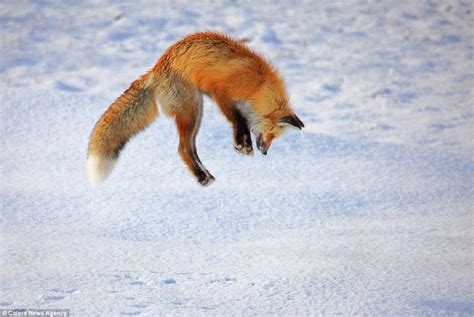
[(133, 111)]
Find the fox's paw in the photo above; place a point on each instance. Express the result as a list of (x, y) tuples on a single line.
[(206, 179), (243, 144), (246, 150)]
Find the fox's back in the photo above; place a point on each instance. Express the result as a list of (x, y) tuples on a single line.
[(216, 63)]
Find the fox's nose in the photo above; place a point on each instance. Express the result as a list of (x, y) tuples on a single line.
[(263, 149)]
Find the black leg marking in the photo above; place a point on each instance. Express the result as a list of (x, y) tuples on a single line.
[(242, 138), (202, 174)]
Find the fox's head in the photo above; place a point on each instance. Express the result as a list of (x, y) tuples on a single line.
[(270, 114), (272, 126)]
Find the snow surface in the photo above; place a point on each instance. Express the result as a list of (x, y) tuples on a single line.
[(367, 211)]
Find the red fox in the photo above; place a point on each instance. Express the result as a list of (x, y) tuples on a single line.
[(248, 90)]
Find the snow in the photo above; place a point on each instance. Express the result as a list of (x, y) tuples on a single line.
[(368, 210)]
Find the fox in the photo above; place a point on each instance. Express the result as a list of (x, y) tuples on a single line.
[(249, 91)]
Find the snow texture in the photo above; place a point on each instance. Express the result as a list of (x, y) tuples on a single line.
[(368, 210)]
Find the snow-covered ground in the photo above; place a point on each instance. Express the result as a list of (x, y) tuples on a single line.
[(367, 211)]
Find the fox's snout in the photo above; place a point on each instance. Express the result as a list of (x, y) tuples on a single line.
[(261, 145)]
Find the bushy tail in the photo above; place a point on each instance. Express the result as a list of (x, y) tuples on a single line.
[(133, 111)]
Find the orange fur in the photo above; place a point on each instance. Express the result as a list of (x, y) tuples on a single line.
[(248, 90)]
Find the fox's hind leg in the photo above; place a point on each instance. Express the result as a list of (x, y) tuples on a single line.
[(188, 121), (184, 102), (241, 132)]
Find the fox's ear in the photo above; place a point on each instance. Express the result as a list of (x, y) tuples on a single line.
[(293, 121)]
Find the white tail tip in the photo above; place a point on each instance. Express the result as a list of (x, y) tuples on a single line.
[(98, 169)]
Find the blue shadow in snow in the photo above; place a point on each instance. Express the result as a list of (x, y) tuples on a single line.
[(333, 88), (448, 306), (449, 39), (407, 97), (65, 87), (120, 36)]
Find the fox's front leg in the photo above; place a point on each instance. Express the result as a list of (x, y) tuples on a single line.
[(242, 138), (241, 133)]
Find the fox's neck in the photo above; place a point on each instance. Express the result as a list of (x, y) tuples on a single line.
[(248, 112)]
